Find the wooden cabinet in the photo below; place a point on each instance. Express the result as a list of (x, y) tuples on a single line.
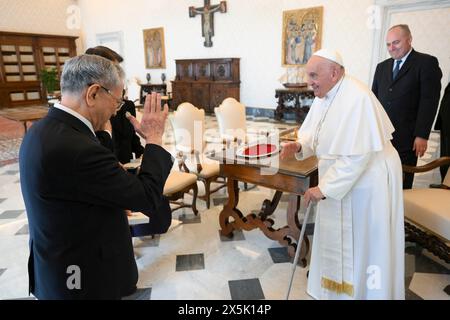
[(206, 82), (22, 57)]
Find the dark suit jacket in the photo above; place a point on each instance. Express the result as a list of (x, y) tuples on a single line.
[(443, 119), (443, 124), (75, 194), (124, 141), (124, 136), (411, 100)]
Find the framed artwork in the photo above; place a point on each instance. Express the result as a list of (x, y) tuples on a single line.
[(154, 52), (302, 35)]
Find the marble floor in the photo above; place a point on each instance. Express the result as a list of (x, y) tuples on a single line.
[(192, 260)]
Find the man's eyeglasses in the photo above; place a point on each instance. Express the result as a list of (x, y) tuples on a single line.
[(120, 102)]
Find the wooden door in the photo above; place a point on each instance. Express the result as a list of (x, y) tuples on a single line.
[(222, 70), (202, 71), (181, 92), (200, 96), (221, 91), (218, 93), (185, 70)]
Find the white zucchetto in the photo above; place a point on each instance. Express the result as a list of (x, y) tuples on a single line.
[(332, 55)]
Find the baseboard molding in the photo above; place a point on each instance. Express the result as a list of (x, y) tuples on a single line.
[(269, 114)]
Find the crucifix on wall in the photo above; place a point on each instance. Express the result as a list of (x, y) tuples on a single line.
[(207, 12)]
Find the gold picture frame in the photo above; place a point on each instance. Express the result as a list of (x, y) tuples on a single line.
[(154, 51), (302, 35)]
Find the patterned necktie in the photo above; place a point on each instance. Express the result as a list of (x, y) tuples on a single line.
[(396, 70)]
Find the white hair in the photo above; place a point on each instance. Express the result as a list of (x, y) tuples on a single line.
[(84, 70)]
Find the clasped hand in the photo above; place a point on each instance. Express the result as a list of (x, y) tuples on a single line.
[(314, 195)]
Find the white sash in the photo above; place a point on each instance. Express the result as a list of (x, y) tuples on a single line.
[(336, 246)]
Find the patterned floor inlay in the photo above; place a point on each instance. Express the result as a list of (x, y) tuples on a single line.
[(247, 289), (11, 214), (190, 262), (23, 231)]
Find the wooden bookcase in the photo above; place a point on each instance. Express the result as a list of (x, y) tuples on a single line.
[(22, 57), (206, 82)]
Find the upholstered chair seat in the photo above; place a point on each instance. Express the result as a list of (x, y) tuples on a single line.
[(179, 183), (427, 213), (209, 169), (429, 208)]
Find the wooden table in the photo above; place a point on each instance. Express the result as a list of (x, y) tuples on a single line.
[(292, 176), (24, 114)]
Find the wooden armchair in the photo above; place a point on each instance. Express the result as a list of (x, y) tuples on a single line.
[(188, 126), (427, 212), (232, 122)]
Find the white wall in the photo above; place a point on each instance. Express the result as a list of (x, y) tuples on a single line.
[(250, 30), (40, 16)]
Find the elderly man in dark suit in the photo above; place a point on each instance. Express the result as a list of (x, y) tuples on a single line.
[(75, 191), (408, 86)]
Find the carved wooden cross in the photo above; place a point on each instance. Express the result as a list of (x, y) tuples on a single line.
[(207, 12)]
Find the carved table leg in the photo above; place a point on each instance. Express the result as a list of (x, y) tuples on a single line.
[(269, 206), (286, 236), (229, 209)]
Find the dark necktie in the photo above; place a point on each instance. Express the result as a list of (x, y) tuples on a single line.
[(396, 70)]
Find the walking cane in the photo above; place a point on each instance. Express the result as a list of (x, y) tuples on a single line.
[(299, 247)]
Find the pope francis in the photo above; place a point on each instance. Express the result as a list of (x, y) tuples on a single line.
[(358, 246)]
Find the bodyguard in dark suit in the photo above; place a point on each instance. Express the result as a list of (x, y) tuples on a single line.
[(75, 191), (408, 86), (124, 141), (443, 124)]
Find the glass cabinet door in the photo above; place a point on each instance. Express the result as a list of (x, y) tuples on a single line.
[(19, 67)]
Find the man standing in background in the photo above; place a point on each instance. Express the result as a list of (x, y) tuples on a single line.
[(408, 85)]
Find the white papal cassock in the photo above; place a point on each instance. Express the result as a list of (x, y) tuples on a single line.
[(358, 245)]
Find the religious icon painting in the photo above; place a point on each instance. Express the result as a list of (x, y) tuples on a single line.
[(154, 48), (302, 35)]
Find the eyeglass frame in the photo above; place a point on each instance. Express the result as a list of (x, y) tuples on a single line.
[(119, 104)]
